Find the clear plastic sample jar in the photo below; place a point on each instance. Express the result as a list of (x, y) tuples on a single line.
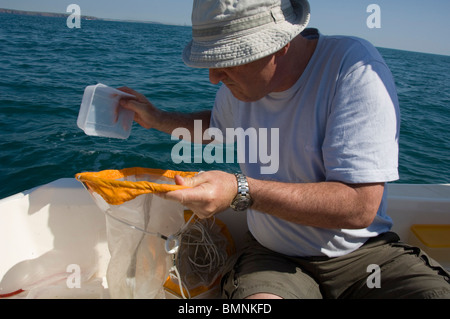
[(101, 115)]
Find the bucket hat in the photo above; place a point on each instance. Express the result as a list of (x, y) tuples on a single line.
[(228, 33)]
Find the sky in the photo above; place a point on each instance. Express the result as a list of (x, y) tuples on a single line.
[(413, 25)]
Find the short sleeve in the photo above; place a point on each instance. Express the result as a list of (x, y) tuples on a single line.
[(361, 142)]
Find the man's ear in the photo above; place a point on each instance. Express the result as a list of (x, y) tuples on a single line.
[(283, 51)]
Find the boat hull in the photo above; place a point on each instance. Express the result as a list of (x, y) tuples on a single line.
[(49, 231)]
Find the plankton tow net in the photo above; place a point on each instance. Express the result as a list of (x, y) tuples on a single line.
[(157, 247)]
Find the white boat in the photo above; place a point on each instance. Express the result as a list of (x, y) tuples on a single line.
[(49, 233)]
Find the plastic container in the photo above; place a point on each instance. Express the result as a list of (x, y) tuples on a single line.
[(434, 240), (101, 115)]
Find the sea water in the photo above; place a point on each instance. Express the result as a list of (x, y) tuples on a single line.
[(45, 67)]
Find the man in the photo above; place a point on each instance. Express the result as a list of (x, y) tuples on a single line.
[(320, 220)]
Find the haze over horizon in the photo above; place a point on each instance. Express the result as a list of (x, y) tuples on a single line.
[(405, 25)]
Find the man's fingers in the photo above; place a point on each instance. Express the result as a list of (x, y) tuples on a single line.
[(129, 104), (192, 194), (132, 92), (206, 193), (185, 196), (179, 180), (189, 182)]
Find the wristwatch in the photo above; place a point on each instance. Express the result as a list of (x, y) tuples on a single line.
[(243, 200)]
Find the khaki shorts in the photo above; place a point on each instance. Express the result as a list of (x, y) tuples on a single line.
[(383, 267)]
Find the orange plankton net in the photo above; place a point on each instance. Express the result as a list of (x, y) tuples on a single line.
[(156, 245)]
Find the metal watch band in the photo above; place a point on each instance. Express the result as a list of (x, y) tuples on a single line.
[(242, 184), (243, 200)]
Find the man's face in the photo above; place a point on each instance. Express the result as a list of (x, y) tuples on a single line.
[(249, 82)]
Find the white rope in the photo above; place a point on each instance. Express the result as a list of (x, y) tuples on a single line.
[(199, 255), (203, 255)]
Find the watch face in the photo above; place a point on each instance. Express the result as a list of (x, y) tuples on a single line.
[(241, 204)]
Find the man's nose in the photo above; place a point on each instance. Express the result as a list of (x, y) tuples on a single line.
[(216, 75)]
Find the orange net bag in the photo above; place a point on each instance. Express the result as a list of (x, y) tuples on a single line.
[(119, 186)]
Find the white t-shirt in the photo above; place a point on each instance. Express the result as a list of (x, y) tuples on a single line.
[(339, 122)]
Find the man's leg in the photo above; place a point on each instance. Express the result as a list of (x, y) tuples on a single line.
[(385, 268), (261, 273)]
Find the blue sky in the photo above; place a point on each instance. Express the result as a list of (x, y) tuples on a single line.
[(405, 24)]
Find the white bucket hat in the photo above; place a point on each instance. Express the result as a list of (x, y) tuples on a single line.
[(228, 33)]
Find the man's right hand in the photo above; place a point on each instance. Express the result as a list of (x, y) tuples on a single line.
[(146, 114)]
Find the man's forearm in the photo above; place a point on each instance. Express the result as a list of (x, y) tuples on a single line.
[(327, 205), (149, 116), (168, 122)]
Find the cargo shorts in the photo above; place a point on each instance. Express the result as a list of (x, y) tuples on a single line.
[(382, 268)]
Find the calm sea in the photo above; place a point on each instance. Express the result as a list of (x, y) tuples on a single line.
[(45, 66)]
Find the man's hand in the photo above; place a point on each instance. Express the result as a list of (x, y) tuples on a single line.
[(146, 114), (149, 116), (209, 193)]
